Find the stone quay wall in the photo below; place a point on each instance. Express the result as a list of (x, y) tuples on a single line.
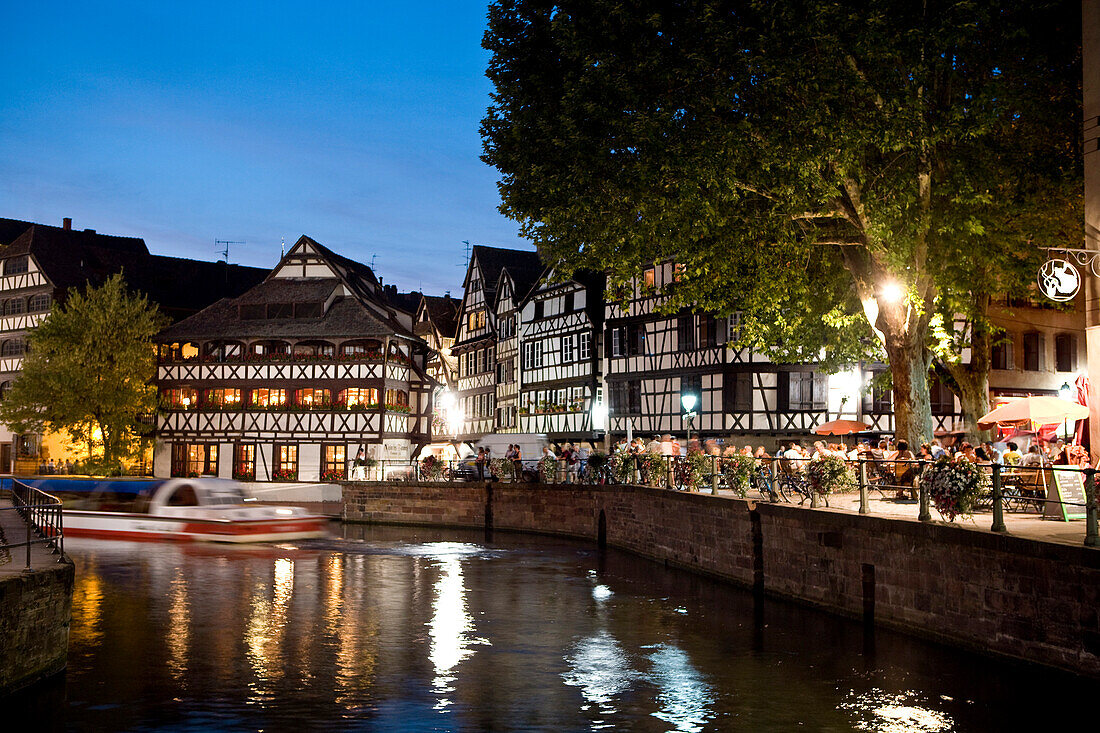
[(991, 593), (35, 608)]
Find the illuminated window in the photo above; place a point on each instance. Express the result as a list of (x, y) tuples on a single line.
[(398, 397), (334, 459), (353, 396), (223, 397), (286, 462), (649, 278), (310, 397), (184, 398), (194, 459), (244, 462), (267, 397)]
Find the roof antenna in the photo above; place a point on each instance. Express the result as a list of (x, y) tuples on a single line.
[(221, 246), (372, 262), (467, 243), (282, 248)]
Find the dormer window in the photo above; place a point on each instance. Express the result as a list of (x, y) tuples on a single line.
[(16, 265)]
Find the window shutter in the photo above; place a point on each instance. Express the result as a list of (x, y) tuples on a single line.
[(1010, 359), (782, 392), (721, 329), (820, 391), (1073, 352), (1042, 346)]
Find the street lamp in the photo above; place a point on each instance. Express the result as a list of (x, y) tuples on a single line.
[(688, 400), (1065, 392)]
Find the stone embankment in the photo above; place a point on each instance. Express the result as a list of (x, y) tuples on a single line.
[(992, 593), (35, 606)]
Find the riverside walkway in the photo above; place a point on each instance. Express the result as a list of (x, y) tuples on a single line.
[(13, 531)]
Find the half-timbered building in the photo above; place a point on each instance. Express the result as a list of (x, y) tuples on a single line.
[(40, 264), (496, 282), (288, 380), (560, 364), (436, 322), (653, 359)]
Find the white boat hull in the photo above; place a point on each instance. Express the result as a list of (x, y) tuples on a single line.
[(128, 526)]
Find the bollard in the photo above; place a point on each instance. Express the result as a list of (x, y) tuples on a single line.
[(1090, 508), (863, 509), (925, 514), (714, 475), (998, 508)]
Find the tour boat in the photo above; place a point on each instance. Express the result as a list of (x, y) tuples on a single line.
[(204, 510)]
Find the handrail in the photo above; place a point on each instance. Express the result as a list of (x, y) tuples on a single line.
[(42, 517)]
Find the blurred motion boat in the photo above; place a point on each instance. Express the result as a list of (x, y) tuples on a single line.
[(190, 509)]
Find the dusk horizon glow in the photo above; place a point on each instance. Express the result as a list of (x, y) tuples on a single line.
[(355, 126)]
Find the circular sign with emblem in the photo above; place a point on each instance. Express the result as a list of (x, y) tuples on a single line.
[(1059, 280)]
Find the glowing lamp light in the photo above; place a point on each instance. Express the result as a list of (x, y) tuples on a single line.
[(599, 416), (1065, 391), (688, 401), (891, 293)]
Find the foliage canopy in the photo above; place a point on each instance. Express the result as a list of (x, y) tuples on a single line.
[(804, 162), (87, 372)]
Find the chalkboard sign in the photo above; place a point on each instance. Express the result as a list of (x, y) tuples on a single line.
[(1067, 495)]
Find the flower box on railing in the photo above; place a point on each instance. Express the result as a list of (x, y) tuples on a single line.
[(397, 408), (284, 474), (332, 475)]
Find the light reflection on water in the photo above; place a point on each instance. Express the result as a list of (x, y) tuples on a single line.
[(410, 630)]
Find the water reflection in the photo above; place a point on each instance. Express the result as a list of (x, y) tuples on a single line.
[(392, 631), (451, 622), (600, 667), (684, 696), (883, 712)]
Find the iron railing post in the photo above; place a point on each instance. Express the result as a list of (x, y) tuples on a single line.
[(925, 513), (998, 508), (863, 509), (714, 475), (1090, 508)]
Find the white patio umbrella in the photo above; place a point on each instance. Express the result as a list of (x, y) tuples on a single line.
[(1030, 412)]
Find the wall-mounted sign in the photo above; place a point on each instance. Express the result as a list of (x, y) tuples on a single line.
[(1059, 280)]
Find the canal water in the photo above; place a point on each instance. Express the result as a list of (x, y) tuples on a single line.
[(397, 629)]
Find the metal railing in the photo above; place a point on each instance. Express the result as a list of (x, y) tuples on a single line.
[(42, 519), (1042, 490)]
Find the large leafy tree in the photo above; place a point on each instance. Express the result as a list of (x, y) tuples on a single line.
[(801, 160), (88, 370)]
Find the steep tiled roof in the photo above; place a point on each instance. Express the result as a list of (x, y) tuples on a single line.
[(443, 313), (347, 318), (366, 312), (73, 259), (523, 267), (12, 228)]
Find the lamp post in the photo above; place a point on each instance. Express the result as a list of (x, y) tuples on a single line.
[(688, 401), (599, 421), (1065, 392)]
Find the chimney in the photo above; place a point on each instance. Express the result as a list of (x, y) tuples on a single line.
[(67, 224)]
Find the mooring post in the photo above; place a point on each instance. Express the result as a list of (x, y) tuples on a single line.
[(998, 507), (925, 513), (863, 509), (1090, 508), (714, 475)]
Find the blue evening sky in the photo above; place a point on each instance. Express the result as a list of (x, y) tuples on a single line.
[(183, 123)]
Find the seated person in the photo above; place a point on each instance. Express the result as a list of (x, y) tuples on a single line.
[(1033, 457), (1012, 456), (905, 471)]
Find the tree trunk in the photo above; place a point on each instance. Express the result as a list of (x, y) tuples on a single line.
[(973, 395), (909, 363)]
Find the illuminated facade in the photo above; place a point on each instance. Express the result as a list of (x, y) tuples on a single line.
[(288, 380)]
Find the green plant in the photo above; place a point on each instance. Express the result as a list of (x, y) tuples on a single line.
[(830, 474), (954, 486), (738, 470), (548, 469)]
